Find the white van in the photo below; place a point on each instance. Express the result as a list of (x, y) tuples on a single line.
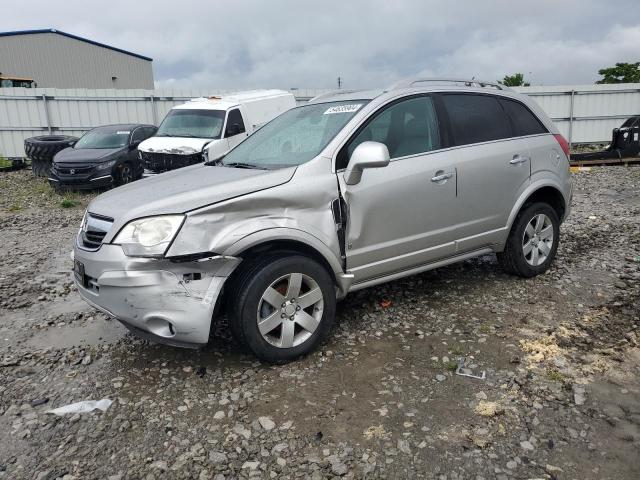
[(210, 127)]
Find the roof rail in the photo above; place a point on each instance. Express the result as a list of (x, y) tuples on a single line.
[(331, 94), (410, 82)]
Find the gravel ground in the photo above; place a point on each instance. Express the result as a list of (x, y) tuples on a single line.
[(561, 397)]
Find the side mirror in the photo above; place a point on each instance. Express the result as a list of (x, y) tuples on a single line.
[(134, 145), (366, 155)]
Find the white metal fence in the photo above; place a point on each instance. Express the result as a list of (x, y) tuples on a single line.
[(583, 113)]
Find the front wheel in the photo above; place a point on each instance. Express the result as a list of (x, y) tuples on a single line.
[(533, 241), (283, 307), (124, 174)]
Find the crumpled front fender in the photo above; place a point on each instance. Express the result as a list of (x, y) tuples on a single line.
[(299, 210)]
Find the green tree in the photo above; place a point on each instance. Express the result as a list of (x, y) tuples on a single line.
[(621, 73), (515, 80)]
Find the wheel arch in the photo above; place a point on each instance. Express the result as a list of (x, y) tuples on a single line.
[(290, 240), (542, 192), (284, 240)]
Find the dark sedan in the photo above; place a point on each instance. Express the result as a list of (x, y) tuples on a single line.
[(104, 156)]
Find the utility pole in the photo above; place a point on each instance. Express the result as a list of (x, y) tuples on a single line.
[(339, 83)]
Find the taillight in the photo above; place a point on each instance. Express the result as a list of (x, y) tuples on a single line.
[(564, 145)]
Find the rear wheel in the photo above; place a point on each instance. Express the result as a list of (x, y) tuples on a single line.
[(533, 241), (283, 307)]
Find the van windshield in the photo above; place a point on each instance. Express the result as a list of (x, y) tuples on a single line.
[(295, 137), (192, 123)]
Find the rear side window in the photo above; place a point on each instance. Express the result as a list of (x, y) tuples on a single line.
[(476, 118), (149, 132), (525, 122), (138, 135)]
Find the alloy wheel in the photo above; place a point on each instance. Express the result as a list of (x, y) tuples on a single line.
[(125, 174), (290, 310), (537, 240)]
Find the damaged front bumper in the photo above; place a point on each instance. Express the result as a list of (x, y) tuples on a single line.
[(165, 301)]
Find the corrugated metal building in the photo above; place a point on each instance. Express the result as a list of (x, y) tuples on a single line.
[(56, 59)]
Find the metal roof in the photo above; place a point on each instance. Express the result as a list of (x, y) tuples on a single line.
[(75, 37)]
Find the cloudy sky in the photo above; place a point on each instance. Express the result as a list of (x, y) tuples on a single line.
[(246, 44)]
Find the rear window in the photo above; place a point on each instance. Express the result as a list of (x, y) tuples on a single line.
[(525, 122), (476, 118)]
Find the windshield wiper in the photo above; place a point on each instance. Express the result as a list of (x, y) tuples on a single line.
[(243, 165)]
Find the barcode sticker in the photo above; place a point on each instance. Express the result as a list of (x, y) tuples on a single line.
[(343, 109), (123, 132)]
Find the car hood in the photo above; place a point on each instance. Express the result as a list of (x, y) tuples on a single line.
[(182, 190), (177, 145), (83, 155)]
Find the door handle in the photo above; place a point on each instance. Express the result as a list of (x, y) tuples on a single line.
[(517, 159), (442, 177)]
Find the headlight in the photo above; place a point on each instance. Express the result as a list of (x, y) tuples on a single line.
[(148, 237), (105, 165)]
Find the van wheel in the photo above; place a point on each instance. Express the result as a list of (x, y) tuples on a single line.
[(533, 241), (283, 307)]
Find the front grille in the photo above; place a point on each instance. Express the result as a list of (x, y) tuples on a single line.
[(94, 229), (163, 162), (93, 239), (73, 169)]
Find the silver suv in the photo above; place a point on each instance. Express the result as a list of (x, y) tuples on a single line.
[(350, 190)]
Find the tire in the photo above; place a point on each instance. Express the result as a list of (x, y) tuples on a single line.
[(531, 246), (42, 149), (124, 174), (282, 339)]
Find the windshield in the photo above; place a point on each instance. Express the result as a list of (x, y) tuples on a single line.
[(295, 137), (192, 123), (103, 138)]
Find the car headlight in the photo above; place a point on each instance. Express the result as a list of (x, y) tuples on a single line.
[(148, 237), (105, 165)]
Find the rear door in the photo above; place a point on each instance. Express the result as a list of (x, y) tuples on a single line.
[(402, 215), (235, 130), (544, 150), (493, 166)]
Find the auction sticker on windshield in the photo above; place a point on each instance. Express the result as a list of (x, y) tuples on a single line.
[(123, 132), (343, 109)]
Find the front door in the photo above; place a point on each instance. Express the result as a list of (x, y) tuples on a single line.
[(402, 215)]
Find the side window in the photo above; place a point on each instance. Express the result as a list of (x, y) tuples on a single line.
[(139, 134), (407, 128), (476, 118), (525, 122), (234, 118)]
